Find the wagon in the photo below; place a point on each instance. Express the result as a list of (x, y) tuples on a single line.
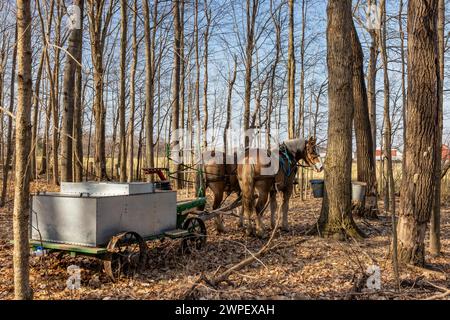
[(112, 222)]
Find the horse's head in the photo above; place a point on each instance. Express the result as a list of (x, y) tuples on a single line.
[(306, 150), (312, 155)]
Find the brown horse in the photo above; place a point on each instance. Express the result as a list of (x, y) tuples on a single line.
[(254, 176), (220, 177)]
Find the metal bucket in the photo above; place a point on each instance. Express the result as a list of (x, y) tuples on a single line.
[(317, 187), (358, 191)]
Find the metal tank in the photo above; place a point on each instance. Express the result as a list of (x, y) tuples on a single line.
[(89, 214)]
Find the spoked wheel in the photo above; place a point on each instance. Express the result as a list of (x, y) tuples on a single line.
[(127, 252), (196, 239)]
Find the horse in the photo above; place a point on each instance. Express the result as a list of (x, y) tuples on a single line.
[(220, 176), (252, 177)]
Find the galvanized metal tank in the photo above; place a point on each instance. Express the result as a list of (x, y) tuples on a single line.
[(90, 214)]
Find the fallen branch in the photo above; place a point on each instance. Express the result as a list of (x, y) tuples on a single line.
[(223, 277)]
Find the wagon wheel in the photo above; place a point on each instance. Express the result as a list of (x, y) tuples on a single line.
[(127, 252), (197, 235)]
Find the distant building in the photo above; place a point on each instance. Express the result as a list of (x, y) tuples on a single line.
[(397, 156), (445, 152)]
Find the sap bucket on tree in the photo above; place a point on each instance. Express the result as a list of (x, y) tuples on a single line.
[(317, 187), (358, 191)]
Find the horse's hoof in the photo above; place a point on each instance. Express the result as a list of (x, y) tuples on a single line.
[(220, 228), (285, 229), (248, 232)]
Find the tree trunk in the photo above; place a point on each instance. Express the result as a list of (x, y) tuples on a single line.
[(205, 78), (371, 85), (68, 102), (176, 84), (130, 166), (34, 172), (417, 192), (55, 94), (182, 85), (388, 140), (78, 108), (336, 215), (98, 27), (435, 228), (291, 74), (123, 66), (363, 134), (301, 116), (9, 145), (252, 10), (21, 213), (149, 81)]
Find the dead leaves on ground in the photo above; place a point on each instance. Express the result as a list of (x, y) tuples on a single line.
[(314, 269)]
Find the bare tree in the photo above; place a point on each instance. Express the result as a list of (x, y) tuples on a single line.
[(150, 45), (21, 214), (36, 101), (291, 74), (9, 145), (251, 14), (363, 134), (417, 191), (123, 66), (130, 166), (371, 81), (78, 107), (336, 215), (73, 53), (390, 184), (176, 81), (98, 30), (435, 228)]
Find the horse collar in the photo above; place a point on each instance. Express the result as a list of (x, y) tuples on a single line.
[(290, 159), (285, 151)]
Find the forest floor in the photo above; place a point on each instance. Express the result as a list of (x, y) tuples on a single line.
[(299, 267)]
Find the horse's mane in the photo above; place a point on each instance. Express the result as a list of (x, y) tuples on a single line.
[(295, 145)]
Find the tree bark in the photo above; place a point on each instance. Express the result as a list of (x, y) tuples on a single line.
[(371, 84), (435, 227), (417, 192), (291, 74), (149, 80), (68, 101), (130, 166), (55, 93), (98, 27), (22, 289), (251, 12), (9, 145), (205, 77), (388, 140), (36, 97), (363, 134), (78, 108), (336, 215), (176, 84), (123, 65)]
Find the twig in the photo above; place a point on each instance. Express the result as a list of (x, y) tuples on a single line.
[(223, 277)]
